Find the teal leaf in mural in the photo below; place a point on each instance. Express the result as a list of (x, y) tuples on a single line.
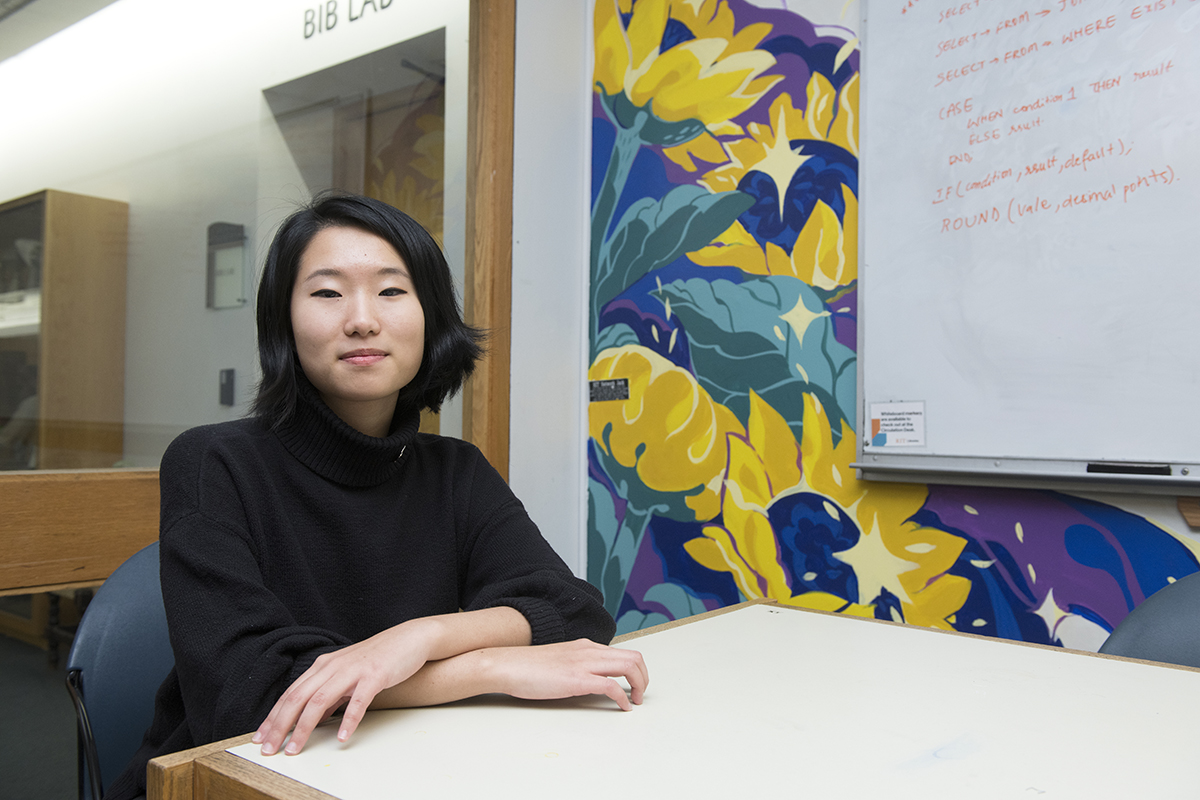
[(678, 601), (772, 335), (635, 620), (616, 335), (604, 556), (651, 129), (653, 233)]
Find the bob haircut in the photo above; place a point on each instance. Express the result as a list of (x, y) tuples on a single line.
[(451, 346)]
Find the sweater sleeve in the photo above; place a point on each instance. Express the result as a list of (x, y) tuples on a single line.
[(505, 561), (237, 647)]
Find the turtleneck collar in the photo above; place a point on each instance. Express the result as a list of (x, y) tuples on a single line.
[(320, 440)]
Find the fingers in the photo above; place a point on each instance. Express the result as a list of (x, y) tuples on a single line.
[(316, 708), (355, 710), (614, 690), (286, 711), (636, 674), (572, 669), (311, 700), (620, 663), (352, 675)]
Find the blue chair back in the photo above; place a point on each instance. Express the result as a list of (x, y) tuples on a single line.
[(1165, 627), (119, 657)]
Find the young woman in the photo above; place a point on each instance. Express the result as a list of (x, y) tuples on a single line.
[(322, 554)]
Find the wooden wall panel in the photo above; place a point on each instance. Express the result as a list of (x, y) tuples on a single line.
[(63, 529), (488, 288)]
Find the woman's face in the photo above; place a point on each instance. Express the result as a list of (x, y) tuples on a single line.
[(358, 324)]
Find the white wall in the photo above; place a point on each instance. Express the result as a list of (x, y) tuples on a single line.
[(551, 201)]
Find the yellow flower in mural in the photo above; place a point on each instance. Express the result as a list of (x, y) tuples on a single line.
[(762, 466), (669, 429), (407, 172), (892, 554), (828, 116), (824, 253), (703, 70)]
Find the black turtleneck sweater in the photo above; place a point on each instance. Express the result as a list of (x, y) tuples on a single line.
[(278, 546)]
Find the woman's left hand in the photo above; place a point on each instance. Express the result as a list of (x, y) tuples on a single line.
[(568, 669)]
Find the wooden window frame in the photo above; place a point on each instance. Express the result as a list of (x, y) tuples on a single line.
[(70, 528)]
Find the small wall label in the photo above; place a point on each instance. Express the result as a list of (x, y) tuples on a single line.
[(898, 424), (615, 389)]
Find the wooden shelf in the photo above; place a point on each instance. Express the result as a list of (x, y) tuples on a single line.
[(77, 343)]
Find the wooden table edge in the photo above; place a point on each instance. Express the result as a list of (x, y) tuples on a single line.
[(209, 771), (675, 623), (170, 777), (228, 777)]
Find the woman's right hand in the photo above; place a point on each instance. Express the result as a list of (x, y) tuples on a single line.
[(352, 676)]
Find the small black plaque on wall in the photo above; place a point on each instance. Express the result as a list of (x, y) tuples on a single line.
[(616, 389)]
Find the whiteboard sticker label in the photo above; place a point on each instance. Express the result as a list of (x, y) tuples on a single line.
[(897, 424)]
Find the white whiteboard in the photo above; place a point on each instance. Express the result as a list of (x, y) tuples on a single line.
[(1030, 199)]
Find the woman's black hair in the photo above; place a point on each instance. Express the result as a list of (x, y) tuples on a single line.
[(451, 346)]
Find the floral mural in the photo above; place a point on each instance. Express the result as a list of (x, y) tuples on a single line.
[(723, 304)]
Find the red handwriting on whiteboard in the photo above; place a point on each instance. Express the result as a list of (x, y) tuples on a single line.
[(1018, 208), (1087, 198), (946, 45), (1038, 167), (1022, 127), (1162, 69), (1023, 208), (1162, 177), (992, 135), (990, 116), (1089, 155), (1042, 102), (1021, 52), (1012, 22), (1090, 29), (963, 188), (954, 11), (970, 221), (955, 108), (1105, 84), (958, 72), (1142, 9)]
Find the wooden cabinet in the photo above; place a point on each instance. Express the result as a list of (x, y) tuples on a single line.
[(62, 331)]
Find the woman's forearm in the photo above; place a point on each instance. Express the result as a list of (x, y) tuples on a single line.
[(567, 669), (455, 678), (449, 635)]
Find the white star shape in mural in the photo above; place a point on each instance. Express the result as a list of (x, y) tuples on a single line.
[(781, 161), (876, 567)]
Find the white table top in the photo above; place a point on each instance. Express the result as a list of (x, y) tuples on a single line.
[(800, 704)]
